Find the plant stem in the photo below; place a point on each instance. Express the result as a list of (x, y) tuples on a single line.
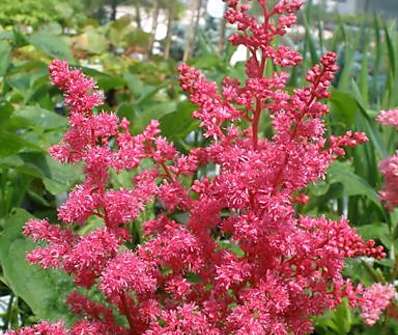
[(256, 120), (9, 310), (125, 304)]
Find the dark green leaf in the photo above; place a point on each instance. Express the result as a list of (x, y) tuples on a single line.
[(178, 124), (44, 291), (6, 110), (5, 57), (12, 144)]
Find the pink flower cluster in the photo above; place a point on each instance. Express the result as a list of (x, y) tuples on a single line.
[(242, 261), (375, 300), (388, 118), (389, 166)]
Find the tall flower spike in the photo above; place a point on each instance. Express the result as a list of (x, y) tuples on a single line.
[(80, 92), (225, 254)]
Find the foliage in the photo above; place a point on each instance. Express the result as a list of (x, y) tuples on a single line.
[(35, 12)]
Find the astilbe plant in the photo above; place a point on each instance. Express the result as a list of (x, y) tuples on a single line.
[(389, 166), (243, 262)]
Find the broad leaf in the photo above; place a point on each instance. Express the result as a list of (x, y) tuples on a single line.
[(51, 45), (353, 184), (44, 291), (180, 123), (41, 118), (57, 178), (13, 144), (344, 107)]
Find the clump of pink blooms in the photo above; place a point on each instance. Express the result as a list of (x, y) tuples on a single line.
[(389, 166), (375, 300), (186, 277)]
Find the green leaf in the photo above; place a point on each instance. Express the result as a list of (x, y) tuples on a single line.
[(150, 111), (41, 118), (92, 41), (309, 41), (207, 61), (374, 231), (379, 43), (364, 78), (20, 81), (105, 81), (371, 128), (320, 188), (346, 73), (377, 231), (44, 291), (391, 50), (343, 317), (135, 85), (5, 57), (12, 144), (51, 27), (6, 110), (57, 178), (344, 107), (228, 245), (338, 321), (62, 176), (353, 184), (121, 24), (51, 45), (180, 123)]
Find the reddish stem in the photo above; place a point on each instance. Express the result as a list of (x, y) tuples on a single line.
[(166, 171), (125, 304), (261, 68), (256, 120), (163, 165), (257, 112)]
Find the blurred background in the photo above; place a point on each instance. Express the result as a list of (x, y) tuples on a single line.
[(131, 48)]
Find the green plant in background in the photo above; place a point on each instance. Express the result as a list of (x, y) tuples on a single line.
[(33, 13)]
